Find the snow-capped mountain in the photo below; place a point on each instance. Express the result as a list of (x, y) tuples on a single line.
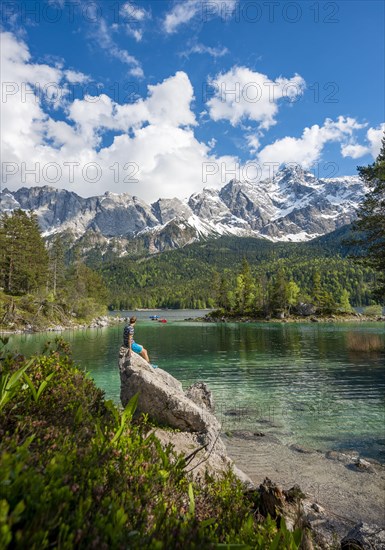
[(292, 206)]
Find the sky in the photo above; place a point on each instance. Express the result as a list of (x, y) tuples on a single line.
[(159, 98)]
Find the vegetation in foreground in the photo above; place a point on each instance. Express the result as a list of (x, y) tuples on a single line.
[(78, 473)]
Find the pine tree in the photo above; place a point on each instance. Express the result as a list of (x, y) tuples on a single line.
[(278, 293), (293, 292), (344, 301), (23, 258), (371, 219), (245, 288), (56, 265)]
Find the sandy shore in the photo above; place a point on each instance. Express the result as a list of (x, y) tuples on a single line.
[(348, 493)]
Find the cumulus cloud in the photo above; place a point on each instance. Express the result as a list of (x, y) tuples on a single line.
[(373, 138), (354, 150), (184, 11), (151, 152), (242, 94), (307, 149)]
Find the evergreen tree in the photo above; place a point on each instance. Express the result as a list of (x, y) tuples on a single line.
[(344, 304), (293, 292), (279, 292), (371, 218), (56, 265), (244, 290), (23, 258)]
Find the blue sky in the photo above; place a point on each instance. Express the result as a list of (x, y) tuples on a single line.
[(163, 98)]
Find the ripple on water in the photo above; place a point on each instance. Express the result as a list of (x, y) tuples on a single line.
[(309, 382)]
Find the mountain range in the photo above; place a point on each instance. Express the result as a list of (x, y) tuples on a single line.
[(294, 205)]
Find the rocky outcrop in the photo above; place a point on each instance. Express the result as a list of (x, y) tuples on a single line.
[(201, 395), (161, 396), (195, 430)]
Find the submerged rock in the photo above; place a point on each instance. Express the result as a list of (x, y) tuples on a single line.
[(364, 536)]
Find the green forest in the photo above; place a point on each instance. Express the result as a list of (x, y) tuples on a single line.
[(212, 274), (38, 286)]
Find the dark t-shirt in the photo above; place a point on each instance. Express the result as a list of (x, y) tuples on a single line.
[(127, 333)]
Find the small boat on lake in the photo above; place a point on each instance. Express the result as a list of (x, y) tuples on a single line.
[(154, 317)]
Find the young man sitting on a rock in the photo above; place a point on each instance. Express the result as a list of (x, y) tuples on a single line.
[(128, 339)]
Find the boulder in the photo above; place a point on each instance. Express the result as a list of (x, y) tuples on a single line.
[(201, 395), (364, 536), (161, 396)]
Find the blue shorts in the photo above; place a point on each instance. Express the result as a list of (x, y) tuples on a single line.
[(137, 348)]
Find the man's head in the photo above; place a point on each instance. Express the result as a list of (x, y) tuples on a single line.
[(132, 320)]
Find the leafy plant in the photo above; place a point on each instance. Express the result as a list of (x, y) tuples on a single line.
[(9, 384), (77, 472), (37, 393)]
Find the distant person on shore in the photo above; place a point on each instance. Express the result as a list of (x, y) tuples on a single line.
[(128, 340)]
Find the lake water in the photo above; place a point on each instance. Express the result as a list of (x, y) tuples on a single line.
[(316, 385)]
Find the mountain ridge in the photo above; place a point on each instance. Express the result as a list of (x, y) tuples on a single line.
[(293, 206)]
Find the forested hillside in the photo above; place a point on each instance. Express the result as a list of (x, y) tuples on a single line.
[(200, 274)]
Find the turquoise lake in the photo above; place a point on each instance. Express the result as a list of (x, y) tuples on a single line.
[(318, 385)]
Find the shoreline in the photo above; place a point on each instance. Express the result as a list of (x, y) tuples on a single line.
[(346, 489), (331, 319), (110, 320), (102, 321)]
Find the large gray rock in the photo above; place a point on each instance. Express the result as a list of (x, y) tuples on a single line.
[(364, 536), (201, 395), (161, 396)]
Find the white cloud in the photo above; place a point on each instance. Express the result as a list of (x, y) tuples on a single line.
[(353, 150), (106, 42), (253, 143), (375, 136), (154, 134), (215, 52), (242, 94), (134, 17), (307, 149), (132, 12), (373, 147), (184, 11), (76, 77)]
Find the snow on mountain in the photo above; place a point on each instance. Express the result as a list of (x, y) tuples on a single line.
[(292, 206)]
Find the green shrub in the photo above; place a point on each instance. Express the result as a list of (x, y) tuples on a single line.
[(373, 311), (75, 472)]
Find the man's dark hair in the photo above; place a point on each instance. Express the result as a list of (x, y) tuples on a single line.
[(132, 320)]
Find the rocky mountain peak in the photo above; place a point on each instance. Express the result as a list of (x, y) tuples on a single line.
[(295, 205)]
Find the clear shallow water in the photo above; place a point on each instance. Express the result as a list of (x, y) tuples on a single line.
[(315, 385)]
